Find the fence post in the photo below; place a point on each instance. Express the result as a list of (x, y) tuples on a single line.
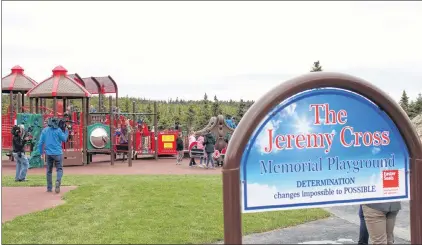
[(85, 102), (55, 107), (134, 128), (11, 107), (112, 151), (31, 105), (155, 131), (129, 147), (37, 109), (19, 108)]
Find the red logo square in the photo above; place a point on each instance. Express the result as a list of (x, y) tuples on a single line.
[(390, 178)]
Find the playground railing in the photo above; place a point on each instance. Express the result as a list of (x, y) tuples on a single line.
[(6, 132)]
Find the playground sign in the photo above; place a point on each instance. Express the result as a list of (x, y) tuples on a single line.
[(321, 139), (324, 147), (167, 142)]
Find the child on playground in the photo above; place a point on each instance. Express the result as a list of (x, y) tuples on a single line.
[(191, 140), (200, 145), (179, 149)]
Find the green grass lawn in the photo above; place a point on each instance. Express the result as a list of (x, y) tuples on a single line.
[(139, 209)]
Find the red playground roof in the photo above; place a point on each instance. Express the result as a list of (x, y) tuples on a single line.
[(97, 85), (17, 81), (59, 85)]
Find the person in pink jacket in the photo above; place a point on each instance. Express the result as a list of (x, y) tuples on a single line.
[(200, 145)]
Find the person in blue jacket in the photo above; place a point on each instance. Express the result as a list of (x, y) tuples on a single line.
[(51, 139)]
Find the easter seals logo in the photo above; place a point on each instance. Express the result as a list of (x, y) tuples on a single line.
[(390, 181)]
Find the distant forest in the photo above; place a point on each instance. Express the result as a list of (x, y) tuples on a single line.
[(196, 114), (190, 114)]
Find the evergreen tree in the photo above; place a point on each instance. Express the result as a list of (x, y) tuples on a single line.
[(205, 112), (415, 107), (127, 106), (150, 118), (216, 109), (316, 67), (158, 113), (241, 110), (190, 118), (404, 102)]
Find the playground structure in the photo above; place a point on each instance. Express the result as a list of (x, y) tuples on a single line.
[(61, 86), (221, 131), (16, 84), (90, 132)]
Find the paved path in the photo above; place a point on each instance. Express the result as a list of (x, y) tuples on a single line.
[(17, 201), (332, 230), (401, 230), (341, 228), (102, 166)]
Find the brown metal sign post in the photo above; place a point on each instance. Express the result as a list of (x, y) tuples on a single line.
[(261, 108)]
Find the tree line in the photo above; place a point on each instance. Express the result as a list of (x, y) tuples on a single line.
[(187, 113), (191, 114), (411, 107)]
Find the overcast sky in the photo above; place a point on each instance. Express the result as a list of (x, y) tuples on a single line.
[(236, 50)]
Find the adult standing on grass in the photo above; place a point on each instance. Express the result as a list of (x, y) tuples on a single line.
[(51, 139), (179, 149), (22, 163), (209, 143)]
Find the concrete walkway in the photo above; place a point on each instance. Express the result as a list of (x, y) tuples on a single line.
[(341, 228), (332, 230), (401, 230)]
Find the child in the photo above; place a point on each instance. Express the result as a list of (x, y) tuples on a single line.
[(200, 145), (179, 149), (191, 140), (216, 157)]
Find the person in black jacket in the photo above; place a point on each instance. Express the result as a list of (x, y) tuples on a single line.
[(22, 163), (209, 144), (179, 149)]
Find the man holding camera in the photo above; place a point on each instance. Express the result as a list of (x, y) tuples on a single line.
[(19, 141), (52, 138)]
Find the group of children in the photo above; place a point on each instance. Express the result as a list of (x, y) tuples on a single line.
[(204, 148)]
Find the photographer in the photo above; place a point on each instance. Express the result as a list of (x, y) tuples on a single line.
[(52, 138), (20, 138)]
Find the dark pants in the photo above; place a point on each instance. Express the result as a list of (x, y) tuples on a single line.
[(209, 159), (54, 160), (363, 231), (192, 161)]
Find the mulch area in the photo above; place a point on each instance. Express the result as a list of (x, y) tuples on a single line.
[(18, 201), (101, 165)]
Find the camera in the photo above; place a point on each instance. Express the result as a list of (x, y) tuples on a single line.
[(20, 131), (54, 122), (16, 130)]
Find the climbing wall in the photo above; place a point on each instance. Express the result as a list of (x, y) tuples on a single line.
[(33, 124)]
